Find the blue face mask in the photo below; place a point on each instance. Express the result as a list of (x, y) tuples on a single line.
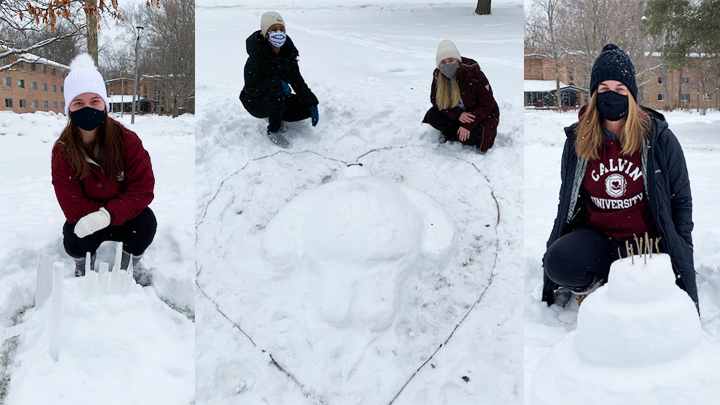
[(277, 38)]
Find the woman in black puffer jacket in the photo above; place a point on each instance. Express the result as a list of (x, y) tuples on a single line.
[(271, 75)]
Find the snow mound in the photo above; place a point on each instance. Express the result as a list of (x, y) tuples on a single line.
[(638, 341), (114, 350), (363, 236)]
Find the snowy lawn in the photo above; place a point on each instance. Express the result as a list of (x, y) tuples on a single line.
[(31, 220), (350, 309), (544, 139)]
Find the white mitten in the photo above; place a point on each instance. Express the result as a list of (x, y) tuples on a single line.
[(92, 223)]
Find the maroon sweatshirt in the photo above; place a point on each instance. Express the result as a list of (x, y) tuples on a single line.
[(617, 198), (124, 197)]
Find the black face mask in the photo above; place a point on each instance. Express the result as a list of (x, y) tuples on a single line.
[(87, 118), (612, 106)]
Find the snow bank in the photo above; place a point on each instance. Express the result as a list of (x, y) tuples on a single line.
[(638, 341), (114, 349)]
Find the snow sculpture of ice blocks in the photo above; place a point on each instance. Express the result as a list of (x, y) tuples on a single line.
[(360, 236), (104, 282), (44, 281), (638, 341), (55, 321)]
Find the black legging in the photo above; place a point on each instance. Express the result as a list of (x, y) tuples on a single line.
[(135, 234), (277, 107), (580, 257)]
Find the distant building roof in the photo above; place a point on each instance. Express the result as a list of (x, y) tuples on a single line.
[(32, 58)]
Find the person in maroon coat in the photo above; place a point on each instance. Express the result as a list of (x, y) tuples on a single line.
[(463, 106), (102, 175)]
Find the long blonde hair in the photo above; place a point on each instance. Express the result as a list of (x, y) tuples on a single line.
[(589, 134), (446, 95)]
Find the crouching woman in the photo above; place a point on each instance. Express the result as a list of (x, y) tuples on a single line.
[(102, 175), (463, 106)]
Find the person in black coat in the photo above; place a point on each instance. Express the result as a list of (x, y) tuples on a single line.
[(623, 173), (271, 76)]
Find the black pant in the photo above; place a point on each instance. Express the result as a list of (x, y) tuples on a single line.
[(580, 257), (277, 107), (449, 128), (136, 235)]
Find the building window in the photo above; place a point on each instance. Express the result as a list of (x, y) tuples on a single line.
[(707, 97), (8, 103), (62, 105), (45, 105), (54, 105), (660, 80), (33, 85), (44, 86), (32, 67), (21, 65), (23, 104), (54, 88), (52, 71), (686, 79), (7, 81), (62, 89), (21, 83), (5, 60), (34, 104), (44, 69), (661, 97), (62, 73), (685, 97)]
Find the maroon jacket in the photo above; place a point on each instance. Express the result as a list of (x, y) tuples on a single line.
[(476, 94), (124, 198)]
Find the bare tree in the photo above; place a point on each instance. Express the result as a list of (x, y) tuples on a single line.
[(170, 49), (483, 7)]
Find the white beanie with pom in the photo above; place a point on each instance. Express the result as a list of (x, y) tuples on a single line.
[(269, 19), (447, 49), (84, 78)]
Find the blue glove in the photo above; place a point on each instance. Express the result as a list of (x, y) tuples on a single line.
[(314, 115), (285, 87)]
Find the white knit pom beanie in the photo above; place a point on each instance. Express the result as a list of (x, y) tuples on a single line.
[(447, 49), (84, 78), (269, 19)]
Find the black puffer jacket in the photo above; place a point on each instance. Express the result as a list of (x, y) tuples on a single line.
[(264, 69), (668, 190)]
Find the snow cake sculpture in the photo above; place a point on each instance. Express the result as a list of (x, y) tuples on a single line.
[(638, 341), (361, 236)]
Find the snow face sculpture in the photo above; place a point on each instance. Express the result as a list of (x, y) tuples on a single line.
[(638, 341), (361, 237)]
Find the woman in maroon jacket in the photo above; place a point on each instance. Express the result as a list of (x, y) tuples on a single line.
[(102, 176), (464, 108)]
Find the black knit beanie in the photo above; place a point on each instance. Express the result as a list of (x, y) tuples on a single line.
[(613, 64)]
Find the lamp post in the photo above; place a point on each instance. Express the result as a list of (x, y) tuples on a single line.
[(137, 45)]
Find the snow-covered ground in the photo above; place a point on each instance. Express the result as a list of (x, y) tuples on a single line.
[(111, 343), (544, 139), (316, 318)]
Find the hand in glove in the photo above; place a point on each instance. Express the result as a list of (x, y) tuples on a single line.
[(92, 223), (286, 88), (314, 115)]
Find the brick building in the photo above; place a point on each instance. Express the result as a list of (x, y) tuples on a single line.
[(660, 88), (33, 84), (541, 86), (152, 94)]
